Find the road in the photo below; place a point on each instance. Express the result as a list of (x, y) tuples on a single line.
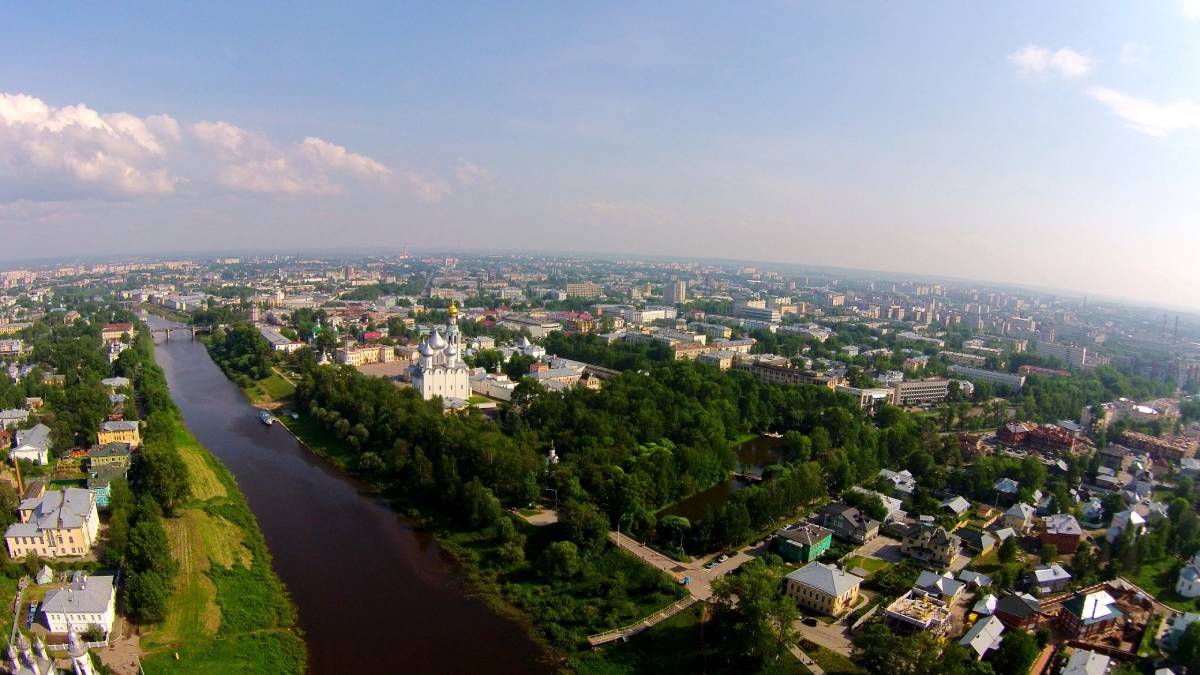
[(700, 579)]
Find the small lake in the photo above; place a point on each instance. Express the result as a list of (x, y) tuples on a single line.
[(754, 456)]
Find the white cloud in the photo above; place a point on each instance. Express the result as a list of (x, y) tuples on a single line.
[(71, 152), (1148, 117), (1190, 8), (322, 153), (1035, 60), (77, 149), (470, 173)]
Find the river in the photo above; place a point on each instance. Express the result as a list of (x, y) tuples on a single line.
[(374, 595)]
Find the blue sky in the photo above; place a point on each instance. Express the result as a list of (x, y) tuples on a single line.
[(1055, 144)]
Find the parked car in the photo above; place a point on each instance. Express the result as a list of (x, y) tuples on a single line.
[(723, 558)]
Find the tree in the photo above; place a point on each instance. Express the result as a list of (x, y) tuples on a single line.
[(676, 524), (1187, 649), (1048, 553), (1008, 550), (561, 559), (1017, 652), (147, 595), (760, 617)]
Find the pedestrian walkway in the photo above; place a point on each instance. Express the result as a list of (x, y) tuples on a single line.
[(806, 660), (624, 633)]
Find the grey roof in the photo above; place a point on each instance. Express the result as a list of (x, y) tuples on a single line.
[(986, 605), (984, 636), (1020, 510), (1049, 573), (115, 382), (1006, 485), (13, 415), (826, 578), (84, 595), (1084, 662), (119, 425), (110, 450), (973, 577), (1062, 523), (806, 533), (56, 509), (958, 504), (38, 436), (932, 582)]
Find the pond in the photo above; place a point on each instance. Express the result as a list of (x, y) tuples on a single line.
[(754, 456)]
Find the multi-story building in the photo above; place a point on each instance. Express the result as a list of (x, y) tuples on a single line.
[(584, 289), (803, 543), (1072, 355), (120, 431), (964, 359), (992, 376), (931, 544), (362, 355), (109, 455), (823, 588), (86, 601), (58, 523), (917, 392), (675, 292)]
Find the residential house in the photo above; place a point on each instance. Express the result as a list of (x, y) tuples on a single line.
[(823, 588), (983, 637), (1115, 457), (1085, 662), (1125, 519), (13, 416), (1019, 611), (944, 586), (1047, 579), (1019, 517), (100, 483), (1089, 614), (33, 445), (894, 507), (985, 606), (86, 601), (1062, 531), (120, 432), (902, 482), (848, 523), (956, 506), (1006, 490), (114, 455), (1093, 512), (974, 579), (59, 523), (930, 543), (803, 543), (979, 543), (1188, 583)]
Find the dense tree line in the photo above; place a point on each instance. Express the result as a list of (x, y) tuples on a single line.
[(242, 352), (596, 351)]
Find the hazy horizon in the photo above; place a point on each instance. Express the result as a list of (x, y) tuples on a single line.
[(1019, 144)]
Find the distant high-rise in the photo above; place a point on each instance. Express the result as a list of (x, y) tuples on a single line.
[(675, 292)]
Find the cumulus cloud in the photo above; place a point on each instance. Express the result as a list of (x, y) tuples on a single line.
[(75, 151), (1035, 60), (1190, 8), (1145, 116), (77, 147)]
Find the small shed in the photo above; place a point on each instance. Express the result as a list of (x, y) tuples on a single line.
[(44, 575)]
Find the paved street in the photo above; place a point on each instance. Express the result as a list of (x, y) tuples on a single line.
[(700, 579), (834, 637), (881, 547)]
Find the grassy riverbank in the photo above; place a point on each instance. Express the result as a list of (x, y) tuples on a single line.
[(229, 612)]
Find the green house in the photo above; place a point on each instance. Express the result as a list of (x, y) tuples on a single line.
[(803, 543)]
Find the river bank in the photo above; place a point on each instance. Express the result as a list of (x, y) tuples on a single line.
[(374, 593), (228, 612), (557, 612)]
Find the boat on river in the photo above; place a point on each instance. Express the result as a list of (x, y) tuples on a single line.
[(266, 418)]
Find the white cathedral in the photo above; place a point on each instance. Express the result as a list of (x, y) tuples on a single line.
[(440, 370)]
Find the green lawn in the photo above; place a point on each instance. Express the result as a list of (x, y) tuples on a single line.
[(318, 439), (1158, 579), (871, 565), (269, 389)]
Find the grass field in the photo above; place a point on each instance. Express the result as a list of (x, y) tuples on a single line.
[(1158, 579), (228, 612), (871, 565), (201, 474), (269, 389)]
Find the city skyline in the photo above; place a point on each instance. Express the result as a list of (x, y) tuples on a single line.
[(1030, 147)]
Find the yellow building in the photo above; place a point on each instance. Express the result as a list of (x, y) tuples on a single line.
[(823, 588), (119, 432)]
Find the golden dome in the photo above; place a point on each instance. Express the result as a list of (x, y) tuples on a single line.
[(453, 309)]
